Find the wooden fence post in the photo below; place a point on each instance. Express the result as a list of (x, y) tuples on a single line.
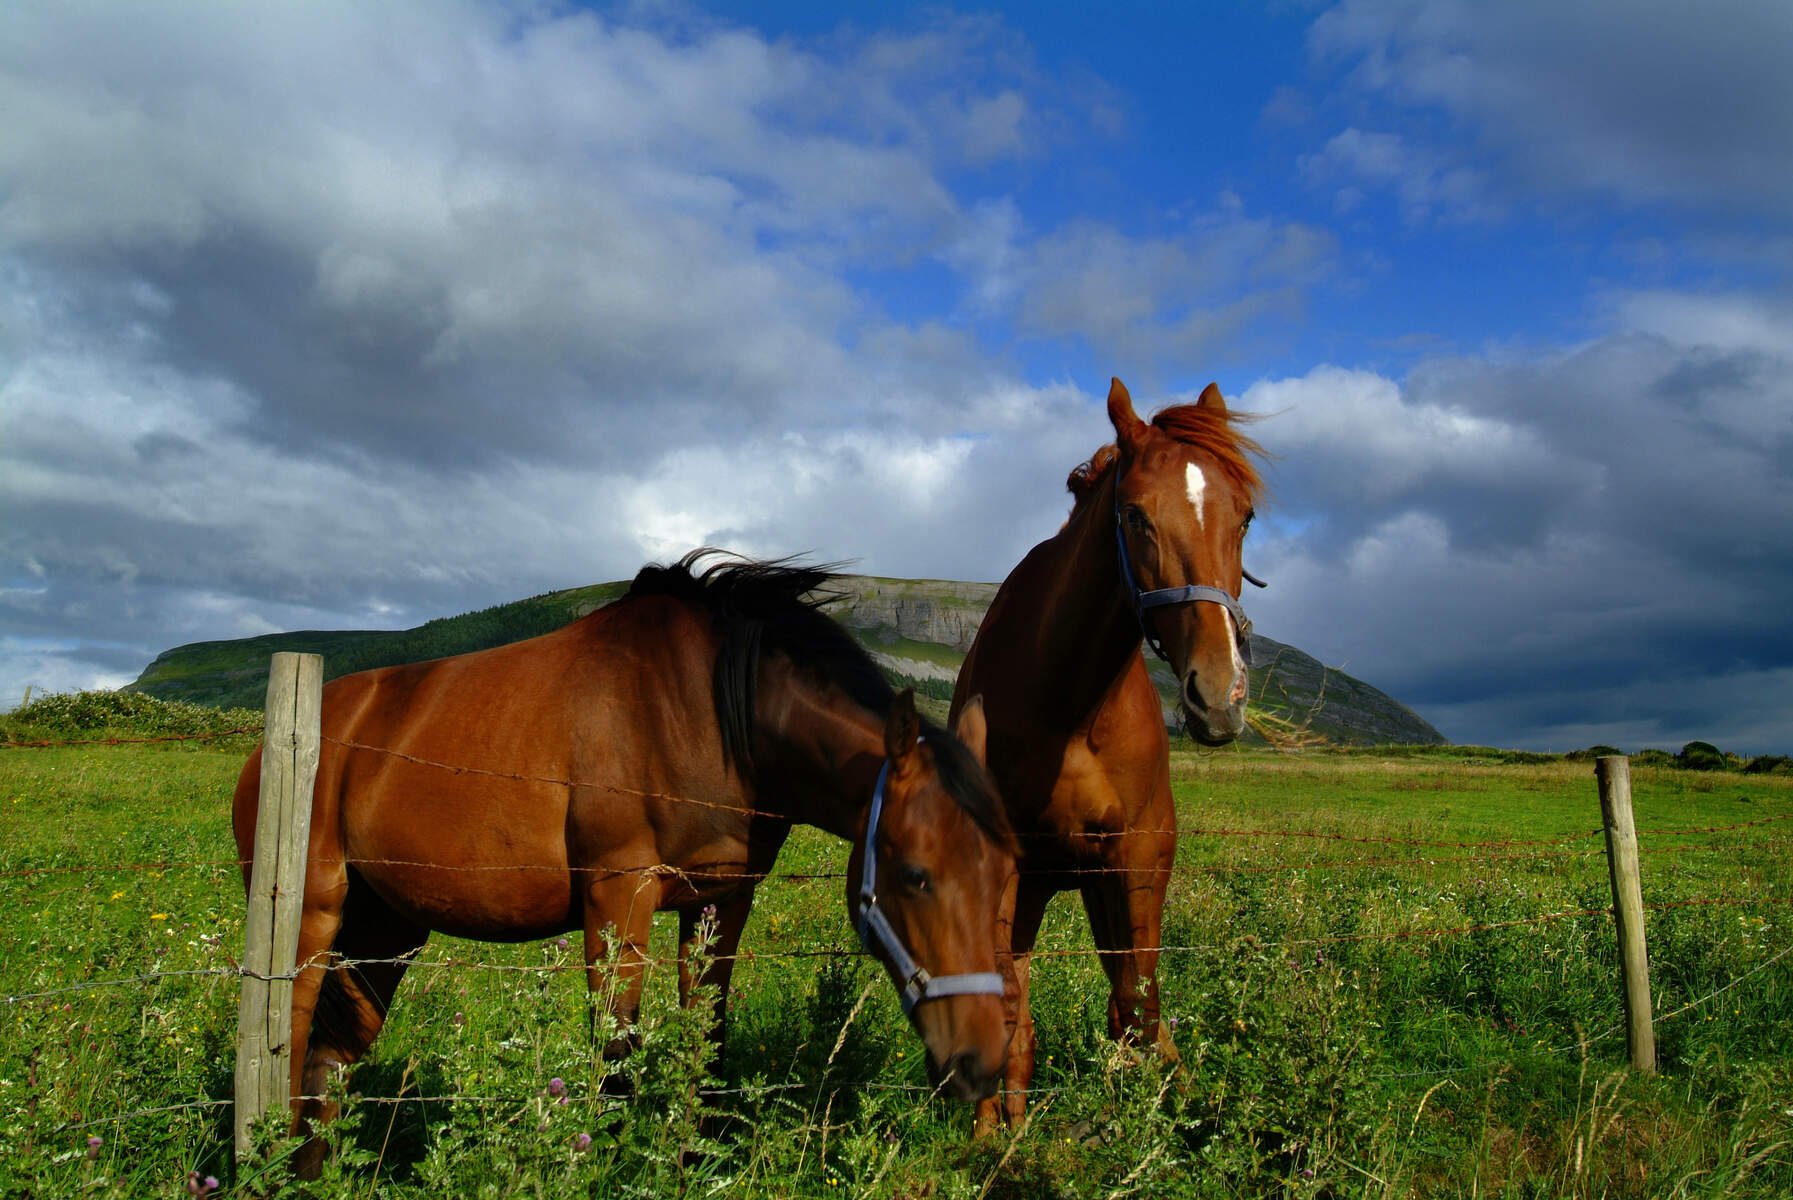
[(289, 764), (1614, 774)]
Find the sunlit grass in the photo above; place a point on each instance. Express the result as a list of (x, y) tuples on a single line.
[(1395, 1015)]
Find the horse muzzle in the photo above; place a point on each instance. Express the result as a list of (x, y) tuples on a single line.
[(971, 1074), (1213, 724), (1215, 727)]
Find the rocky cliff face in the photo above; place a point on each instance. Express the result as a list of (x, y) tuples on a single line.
[(918, 629), (917, 610)]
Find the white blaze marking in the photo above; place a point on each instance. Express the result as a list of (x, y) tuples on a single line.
[(1240, 676), (1197, 484)]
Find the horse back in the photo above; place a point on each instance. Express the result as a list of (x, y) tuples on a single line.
[(529, 758)]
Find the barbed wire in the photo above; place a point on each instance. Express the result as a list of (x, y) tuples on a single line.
[(1658, 1019), (1180, 831), (1581, 1042), (759, 877), (1250, 943), (1715, 828), (660, 961), (705, 1092)]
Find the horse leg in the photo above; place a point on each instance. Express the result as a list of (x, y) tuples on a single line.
[(1024, 914), (1126, 913), (373, 947), (731, 919), (320, 918), (618, 917)]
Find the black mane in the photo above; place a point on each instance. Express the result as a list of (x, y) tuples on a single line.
[(775, 607)]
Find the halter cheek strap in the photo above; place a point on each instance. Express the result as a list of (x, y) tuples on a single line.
[(1193, 593), (876, 932)]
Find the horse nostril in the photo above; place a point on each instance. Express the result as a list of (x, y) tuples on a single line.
[(1192, 692), (970, 1077)]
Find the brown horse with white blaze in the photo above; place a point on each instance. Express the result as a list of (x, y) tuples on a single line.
[(1076, 739), (651, 755)]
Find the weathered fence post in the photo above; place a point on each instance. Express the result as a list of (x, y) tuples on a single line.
[(289, 763), (1614, 774)]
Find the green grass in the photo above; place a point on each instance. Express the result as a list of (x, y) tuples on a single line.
[(1475, 1054)]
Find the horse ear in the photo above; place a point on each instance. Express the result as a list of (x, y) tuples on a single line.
[(971, 728), (902, 729), (1129, 430), (1211, 398)]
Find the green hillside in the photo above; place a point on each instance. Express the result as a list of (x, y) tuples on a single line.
[(919, 630)]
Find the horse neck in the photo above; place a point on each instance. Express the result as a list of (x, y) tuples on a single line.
[(825, 751), (1086, 625)]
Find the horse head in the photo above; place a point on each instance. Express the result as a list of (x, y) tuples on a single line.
[(925, 883), (1184, 493)]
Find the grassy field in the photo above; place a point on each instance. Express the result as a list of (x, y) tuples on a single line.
[(1362, 1005)]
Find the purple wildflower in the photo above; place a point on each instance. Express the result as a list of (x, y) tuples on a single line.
[(557, 1086), (93, 1146), (582, 1142)]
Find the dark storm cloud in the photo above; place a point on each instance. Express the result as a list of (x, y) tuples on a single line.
[(1528, 549), (353, 315)]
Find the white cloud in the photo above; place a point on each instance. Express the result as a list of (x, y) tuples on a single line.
[(1170, 298), (1428, 186), (1367, 439)]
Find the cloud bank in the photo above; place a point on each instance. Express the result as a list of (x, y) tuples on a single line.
[(345, 315)]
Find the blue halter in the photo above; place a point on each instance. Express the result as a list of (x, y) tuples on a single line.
[(1194, 593), (875, 930)]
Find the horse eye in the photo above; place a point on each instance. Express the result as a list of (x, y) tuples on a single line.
[(1248, 519), (913, 877), (1136, 517)]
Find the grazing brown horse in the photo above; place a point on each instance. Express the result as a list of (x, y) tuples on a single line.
[(1076, 738), (650, 755)]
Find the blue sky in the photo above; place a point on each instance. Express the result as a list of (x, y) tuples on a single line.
[(338, 315)]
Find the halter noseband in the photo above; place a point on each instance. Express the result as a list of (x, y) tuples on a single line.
[(1192, 593), (875, 930)]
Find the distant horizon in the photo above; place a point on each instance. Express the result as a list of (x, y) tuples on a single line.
[(1743, 753)]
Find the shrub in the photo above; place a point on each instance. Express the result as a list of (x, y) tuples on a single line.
[(1769, 764), (1593, 752), (1702, 756), (77, 715)]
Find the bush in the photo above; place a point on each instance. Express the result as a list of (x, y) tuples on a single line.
[(1593, 752), (75, 716), (1769, 764), (1702, 756)]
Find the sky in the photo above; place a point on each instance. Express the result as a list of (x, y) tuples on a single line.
[(333, 315)]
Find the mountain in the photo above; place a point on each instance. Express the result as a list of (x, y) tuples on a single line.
[(918, 629)]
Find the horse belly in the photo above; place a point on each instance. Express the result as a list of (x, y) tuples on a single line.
[(470, 871)]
